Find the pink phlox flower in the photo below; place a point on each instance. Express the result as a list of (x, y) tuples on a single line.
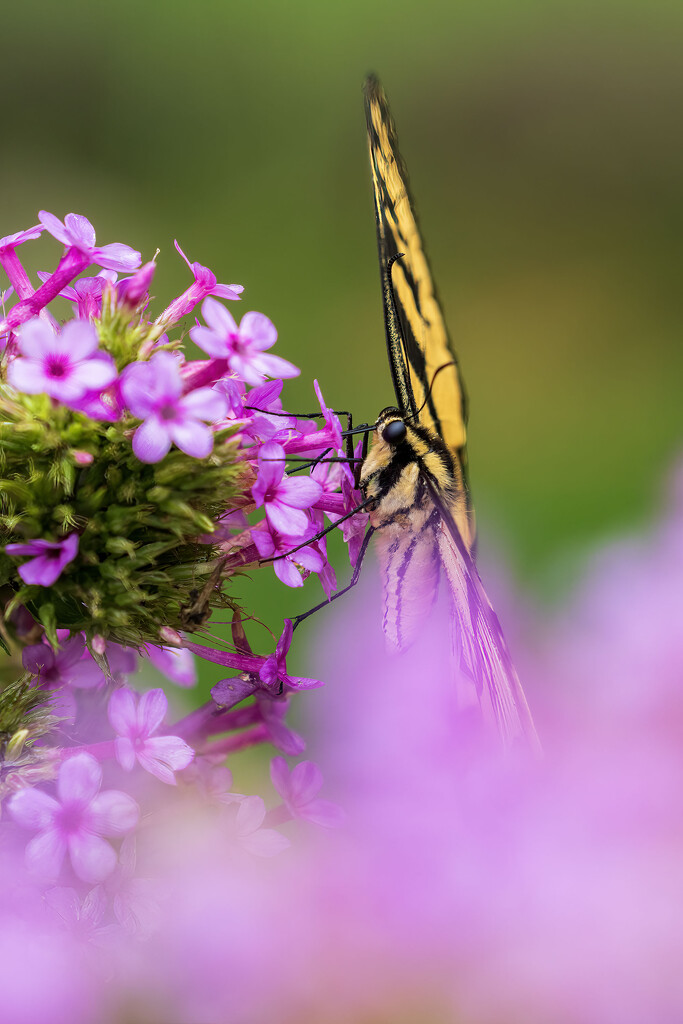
[(74, 821), (76, 232), (153, 391), (204, 284), (65, 366), (284, 498), (136, 901), (246, 820), (53, 668), (175, 663), (49, 559), (298, 789), (271, 544), (243, 346), (135, 720), (81, 916)]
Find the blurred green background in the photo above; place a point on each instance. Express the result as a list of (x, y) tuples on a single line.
[(546, 152)]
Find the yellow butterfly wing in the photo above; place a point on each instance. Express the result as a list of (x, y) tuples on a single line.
[(432, 365)]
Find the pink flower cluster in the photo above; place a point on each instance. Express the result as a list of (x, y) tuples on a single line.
[(112, 747), (178, 402)]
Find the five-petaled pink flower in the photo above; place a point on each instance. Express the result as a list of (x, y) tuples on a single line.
[(65, 366), (283, 498), (135, 722), (78, 233), (49, 559), (74, 821), (243, 346), (298, 789), (153, 391)]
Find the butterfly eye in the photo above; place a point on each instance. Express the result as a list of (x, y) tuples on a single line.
[(394, 432)]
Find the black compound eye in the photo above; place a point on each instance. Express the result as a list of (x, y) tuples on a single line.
[(394, 432)]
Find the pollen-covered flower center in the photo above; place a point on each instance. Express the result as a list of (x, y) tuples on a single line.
[(70, 817)]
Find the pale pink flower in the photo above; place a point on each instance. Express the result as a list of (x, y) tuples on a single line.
[(65, 366), (243, 346), (74, 821), (153, 392), (136, 719), (298, 789)]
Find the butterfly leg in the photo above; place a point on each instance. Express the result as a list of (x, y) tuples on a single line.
[(345, 590)]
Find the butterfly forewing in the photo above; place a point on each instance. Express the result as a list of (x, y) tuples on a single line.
[(431, 362)]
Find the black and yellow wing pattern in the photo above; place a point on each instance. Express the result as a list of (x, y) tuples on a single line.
[(438, 391)]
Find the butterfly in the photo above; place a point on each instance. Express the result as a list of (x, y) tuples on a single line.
[(414, 477)]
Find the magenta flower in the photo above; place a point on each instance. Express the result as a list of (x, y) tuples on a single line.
[(204, 284), (78, 233), (298, 789), (242, 346), (53, 668), (153, 392), (135, 720), (175, 663), (329, 436), (74, 821), (50, 557), (65, 366), (283, 498)]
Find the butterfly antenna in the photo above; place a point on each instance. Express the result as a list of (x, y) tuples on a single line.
[(428, 395)]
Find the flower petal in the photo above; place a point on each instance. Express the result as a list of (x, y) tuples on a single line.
[(80, 778), (287, 520), (92, 858), (250, 815), (45, 853), (54, 226), (258, 329), (79, 230), (125, 753), (122, 712), (163, 755), (117, 256), (36, 338), (299, 492), (306, 780), (323, 813), (151, 710), (192, 437), (279, 775), (287, 573), (218, 318), (205, 404), (32, 808), (265, 842), (79, 339), (151, 441), (113, 813)]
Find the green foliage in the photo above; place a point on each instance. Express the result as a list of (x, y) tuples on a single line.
[(139, 558)]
